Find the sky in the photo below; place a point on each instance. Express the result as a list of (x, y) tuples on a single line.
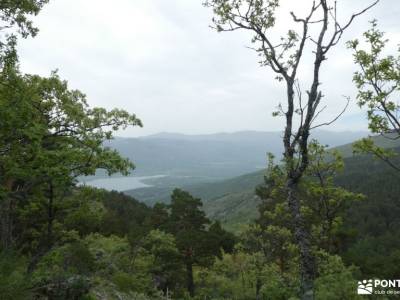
[(161, 60)]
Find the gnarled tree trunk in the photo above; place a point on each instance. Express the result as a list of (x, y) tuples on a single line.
[(302, 237)]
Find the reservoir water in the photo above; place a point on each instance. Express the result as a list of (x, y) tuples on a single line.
[(120, 183)]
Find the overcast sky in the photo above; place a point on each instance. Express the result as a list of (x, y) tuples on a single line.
[(160, 60)]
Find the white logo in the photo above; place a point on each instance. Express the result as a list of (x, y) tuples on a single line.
[(365, 287)]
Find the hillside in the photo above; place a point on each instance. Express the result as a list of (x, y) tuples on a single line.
[(210, 157), (233, 202), (361, 174)]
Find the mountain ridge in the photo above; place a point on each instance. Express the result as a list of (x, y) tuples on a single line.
[(233, 201), (212, 156)]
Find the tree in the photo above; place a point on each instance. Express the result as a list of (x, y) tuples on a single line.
[(14, 19), (187, 222), (223, 239), (377, 82), (14, 13), (324, 205), (284, 58), (166, 265), (49, 137)]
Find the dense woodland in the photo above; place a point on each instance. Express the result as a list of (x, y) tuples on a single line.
[(60, 240)]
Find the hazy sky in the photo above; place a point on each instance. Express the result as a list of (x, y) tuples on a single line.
[(160, 60)]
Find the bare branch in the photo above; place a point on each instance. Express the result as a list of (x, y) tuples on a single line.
[(333, 120), (339, 30)]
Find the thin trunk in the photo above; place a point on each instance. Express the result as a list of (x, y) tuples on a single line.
[(6, 223), (258, 288), (307, 261), (50, 216), (294, 173), (48, 240), (190, 282), (6, 219)]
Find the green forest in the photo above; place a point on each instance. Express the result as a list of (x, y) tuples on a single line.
[(312, 224)]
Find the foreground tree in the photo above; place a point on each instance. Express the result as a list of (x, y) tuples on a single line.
[(284, 58), (49, 137), (197, 245), (14, 21), (378, 84), (48, 134), (324, 206)]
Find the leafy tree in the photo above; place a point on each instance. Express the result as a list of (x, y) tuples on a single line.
[(166, 267), (14, 19), (243, 275), (14, 281), (324, 206), (117, 268), (49, 135), (83, 211), (15, 13), (284, 58), (378, 83), (335, 280), (64, 272), (235, 276), (49, 138)]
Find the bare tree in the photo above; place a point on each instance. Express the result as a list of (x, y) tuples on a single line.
[(284, 58)]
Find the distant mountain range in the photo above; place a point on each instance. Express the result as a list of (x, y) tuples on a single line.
[(233, 200), (213, 156)]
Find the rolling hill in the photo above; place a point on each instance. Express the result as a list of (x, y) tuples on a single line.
[(207, 158), (233, 200)]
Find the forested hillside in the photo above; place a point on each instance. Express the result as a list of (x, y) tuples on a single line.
[(214, 156), (221, 190)]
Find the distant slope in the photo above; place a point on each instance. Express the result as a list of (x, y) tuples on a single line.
[(362, 174), (210, 157), (233, 201)]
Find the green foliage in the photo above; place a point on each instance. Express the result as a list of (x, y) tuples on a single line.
[(242, 275), (64, 271), (48, 137), (224, 239), (373, 252), (335, 280), (367, 145), (14, 283), (117, 267), (166, 267), (55, 133), (187, 222), (84, 211), (15, 13), (378, 83), (258, 17), (124, 216), (69, 242), (14, 21), (323, 204)]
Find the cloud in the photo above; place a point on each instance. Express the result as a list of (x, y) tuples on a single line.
[(160, 60)]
